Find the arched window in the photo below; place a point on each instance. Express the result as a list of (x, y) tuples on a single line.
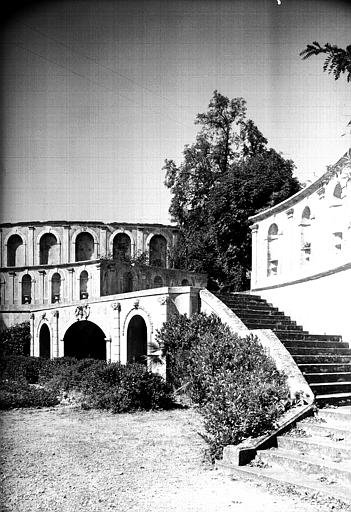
[(56, 288), (26, 289), (306, 235), (121, 247), (185, 282), (84, 247), (48, 248), (158, 282), (83, 285), (137, 340), (44, 342), (272, 250), (127, 282), (158, 251), (15, 251), (337, 191)]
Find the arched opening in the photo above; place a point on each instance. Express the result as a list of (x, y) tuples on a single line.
[(158, 282), (44, 342), (185, 282), (137, 340), (84, 339), (305, 235), (84, 247), (158, 251), (272, 250), (48, 249), (337, 191), (83, 285), (15, 251), (56, 288), (121, 247), (127, 282), (26, 289)]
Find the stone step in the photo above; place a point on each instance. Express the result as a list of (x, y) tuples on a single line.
[(325, 368), (316, 446), (327, 377), (262, 323), (322, 359), (340, 415), (337, 399), (313, 485), (307, 464), (322, 388), (316, 344), (326, 429), (298, 350), (260, 313), (304, 335)]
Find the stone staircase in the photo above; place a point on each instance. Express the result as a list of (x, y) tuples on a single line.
[(324, 360), (314, 458)]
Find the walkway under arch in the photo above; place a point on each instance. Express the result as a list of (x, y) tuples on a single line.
[(84, 339), (137, 340), (44, 342)]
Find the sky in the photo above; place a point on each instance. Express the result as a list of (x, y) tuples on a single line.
[(95, 95)]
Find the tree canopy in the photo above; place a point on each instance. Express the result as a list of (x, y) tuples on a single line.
[(226, 175), (337, 62)]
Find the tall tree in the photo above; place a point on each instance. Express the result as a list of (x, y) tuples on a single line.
[(337, 62), (226, 175)]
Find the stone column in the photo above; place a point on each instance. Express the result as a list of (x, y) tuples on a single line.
[(55, 341), (31, 246), (254, 264), (66, 244), (32, 334), (70, 287), (103, 242), (108, 349), (115, 341), (42, 286), (12, 290)]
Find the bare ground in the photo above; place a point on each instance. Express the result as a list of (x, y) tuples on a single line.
[(65, 459)]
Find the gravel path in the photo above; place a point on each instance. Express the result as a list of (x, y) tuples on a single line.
[(66, 459)]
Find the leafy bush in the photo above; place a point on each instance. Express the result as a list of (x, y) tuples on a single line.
[(121, 388), (19, 395), (116, 387), (15, 340), (237, 386)]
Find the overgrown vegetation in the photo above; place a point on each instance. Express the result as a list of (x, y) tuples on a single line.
[(36, 382), (228, 174), (236, 385), (15, 340)]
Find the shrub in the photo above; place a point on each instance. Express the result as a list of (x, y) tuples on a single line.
[(237, 386), (21, 368), (15, 340), (123, 388), (18, 394)]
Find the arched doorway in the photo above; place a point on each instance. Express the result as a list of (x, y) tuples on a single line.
[(127, 282), (83, 285), (84, 339), (84, 247), (15, 252), (121, 247), (44, 342), (55, 288), (158, 251), (137, 340), (48, 249), (158, 282), (26, 289)]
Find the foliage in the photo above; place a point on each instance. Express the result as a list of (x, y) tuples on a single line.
[(237, 386), (116, 387), (15, 340), (122, 388), (15, 394), (227, 175), (337, 62)]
